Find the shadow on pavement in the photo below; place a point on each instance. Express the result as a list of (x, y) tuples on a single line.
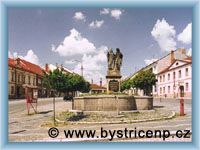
[(158, 106), (45, 112)]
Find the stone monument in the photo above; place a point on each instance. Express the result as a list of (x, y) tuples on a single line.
[(112, 102), (113, 74)]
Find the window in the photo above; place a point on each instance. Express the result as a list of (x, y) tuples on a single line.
[(18, 77), (39, 81), (179, 73), (163, 78), (168, 76), (33, 81), (29, 80), (163, 90), (186, 86), (12, 89), (174, 75), (168, 89), (177, 64), (160, 90), (155, 88), (12, 76), (160, 78), (186, 71), (24, 78)]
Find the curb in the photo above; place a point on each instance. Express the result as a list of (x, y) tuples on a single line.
[(122, 122)]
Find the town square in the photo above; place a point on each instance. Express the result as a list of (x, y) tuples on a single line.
[(100, 75)]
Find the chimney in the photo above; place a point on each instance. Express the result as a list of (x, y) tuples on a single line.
[(46, 67), (18, 61), (184, 51), (172, 58), (100, 82)]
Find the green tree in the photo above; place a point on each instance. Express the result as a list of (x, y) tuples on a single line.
[(54, 81), (127, 84), (145, 80), (58, 82), (74, 82)]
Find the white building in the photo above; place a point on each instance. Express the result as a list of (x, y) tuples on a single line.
[(179, 73), (158, 67)]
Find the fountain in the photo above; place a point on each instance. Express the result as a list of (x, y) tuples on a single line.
[(114, 100)]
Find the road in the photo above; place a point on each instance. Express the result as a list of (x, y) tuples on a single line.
[(23, 127)]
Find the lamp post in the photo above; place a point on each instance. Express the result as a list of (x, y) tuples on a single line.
[(81, 65)]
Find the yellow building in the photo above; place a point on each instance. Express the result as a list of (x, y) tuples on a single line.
[(22, 73)]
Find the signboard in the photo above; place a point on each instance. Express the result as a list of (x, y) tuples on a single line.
[(114, 86)]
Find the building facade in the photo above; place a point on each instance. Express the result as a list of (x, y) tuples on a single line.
[(179, 73), (158, 67), (22, 73)]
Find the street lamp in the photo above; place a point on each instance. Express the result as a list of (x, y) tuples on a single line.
[(81, 65)]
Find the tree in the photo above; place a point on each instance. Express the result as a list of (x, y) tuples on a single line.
[(54, 81), (127, 84), (57, 81), (74, 82), (145, 80)]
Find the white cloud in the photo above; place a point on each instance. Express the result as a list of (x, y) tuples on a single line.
[(186, 35), (164, 34), (79, 16), (189, 53), (30, 56), (116, 13), (53, 47), (104, 11), (149, 61), (74, 44), (94, 65), (93, 59), (96, 24), (14, 55), (10, 54)]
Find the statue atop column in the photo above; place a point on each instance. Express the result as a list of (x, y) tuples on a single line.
[(114, 62)]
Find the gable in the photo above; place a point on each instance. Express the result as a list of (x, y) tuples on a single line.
[(177, 63)]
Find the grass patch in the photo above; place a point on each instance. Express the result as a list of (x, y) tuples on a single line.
[(64, 115)]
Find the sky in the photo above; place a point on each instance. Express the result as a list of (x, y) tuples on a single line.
[(71, 36)]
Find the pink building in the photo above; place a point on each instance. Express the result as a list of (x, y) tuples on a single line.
[(179, 73)]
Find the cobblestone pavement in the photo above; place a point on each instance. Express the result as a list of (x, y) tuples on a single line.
[(23, 127)]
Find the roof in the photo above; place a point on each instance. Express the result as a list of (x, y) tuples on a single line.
[(53, 67), (25, 65), (143, 68), (187, 60), (96, 87)]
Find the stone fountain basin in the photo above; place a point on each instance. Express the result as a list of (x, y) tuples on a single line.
[(112, 103)]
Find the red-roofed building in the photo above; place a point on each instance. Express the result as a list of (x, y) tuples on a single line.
[(96, 89), (22, 73)]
